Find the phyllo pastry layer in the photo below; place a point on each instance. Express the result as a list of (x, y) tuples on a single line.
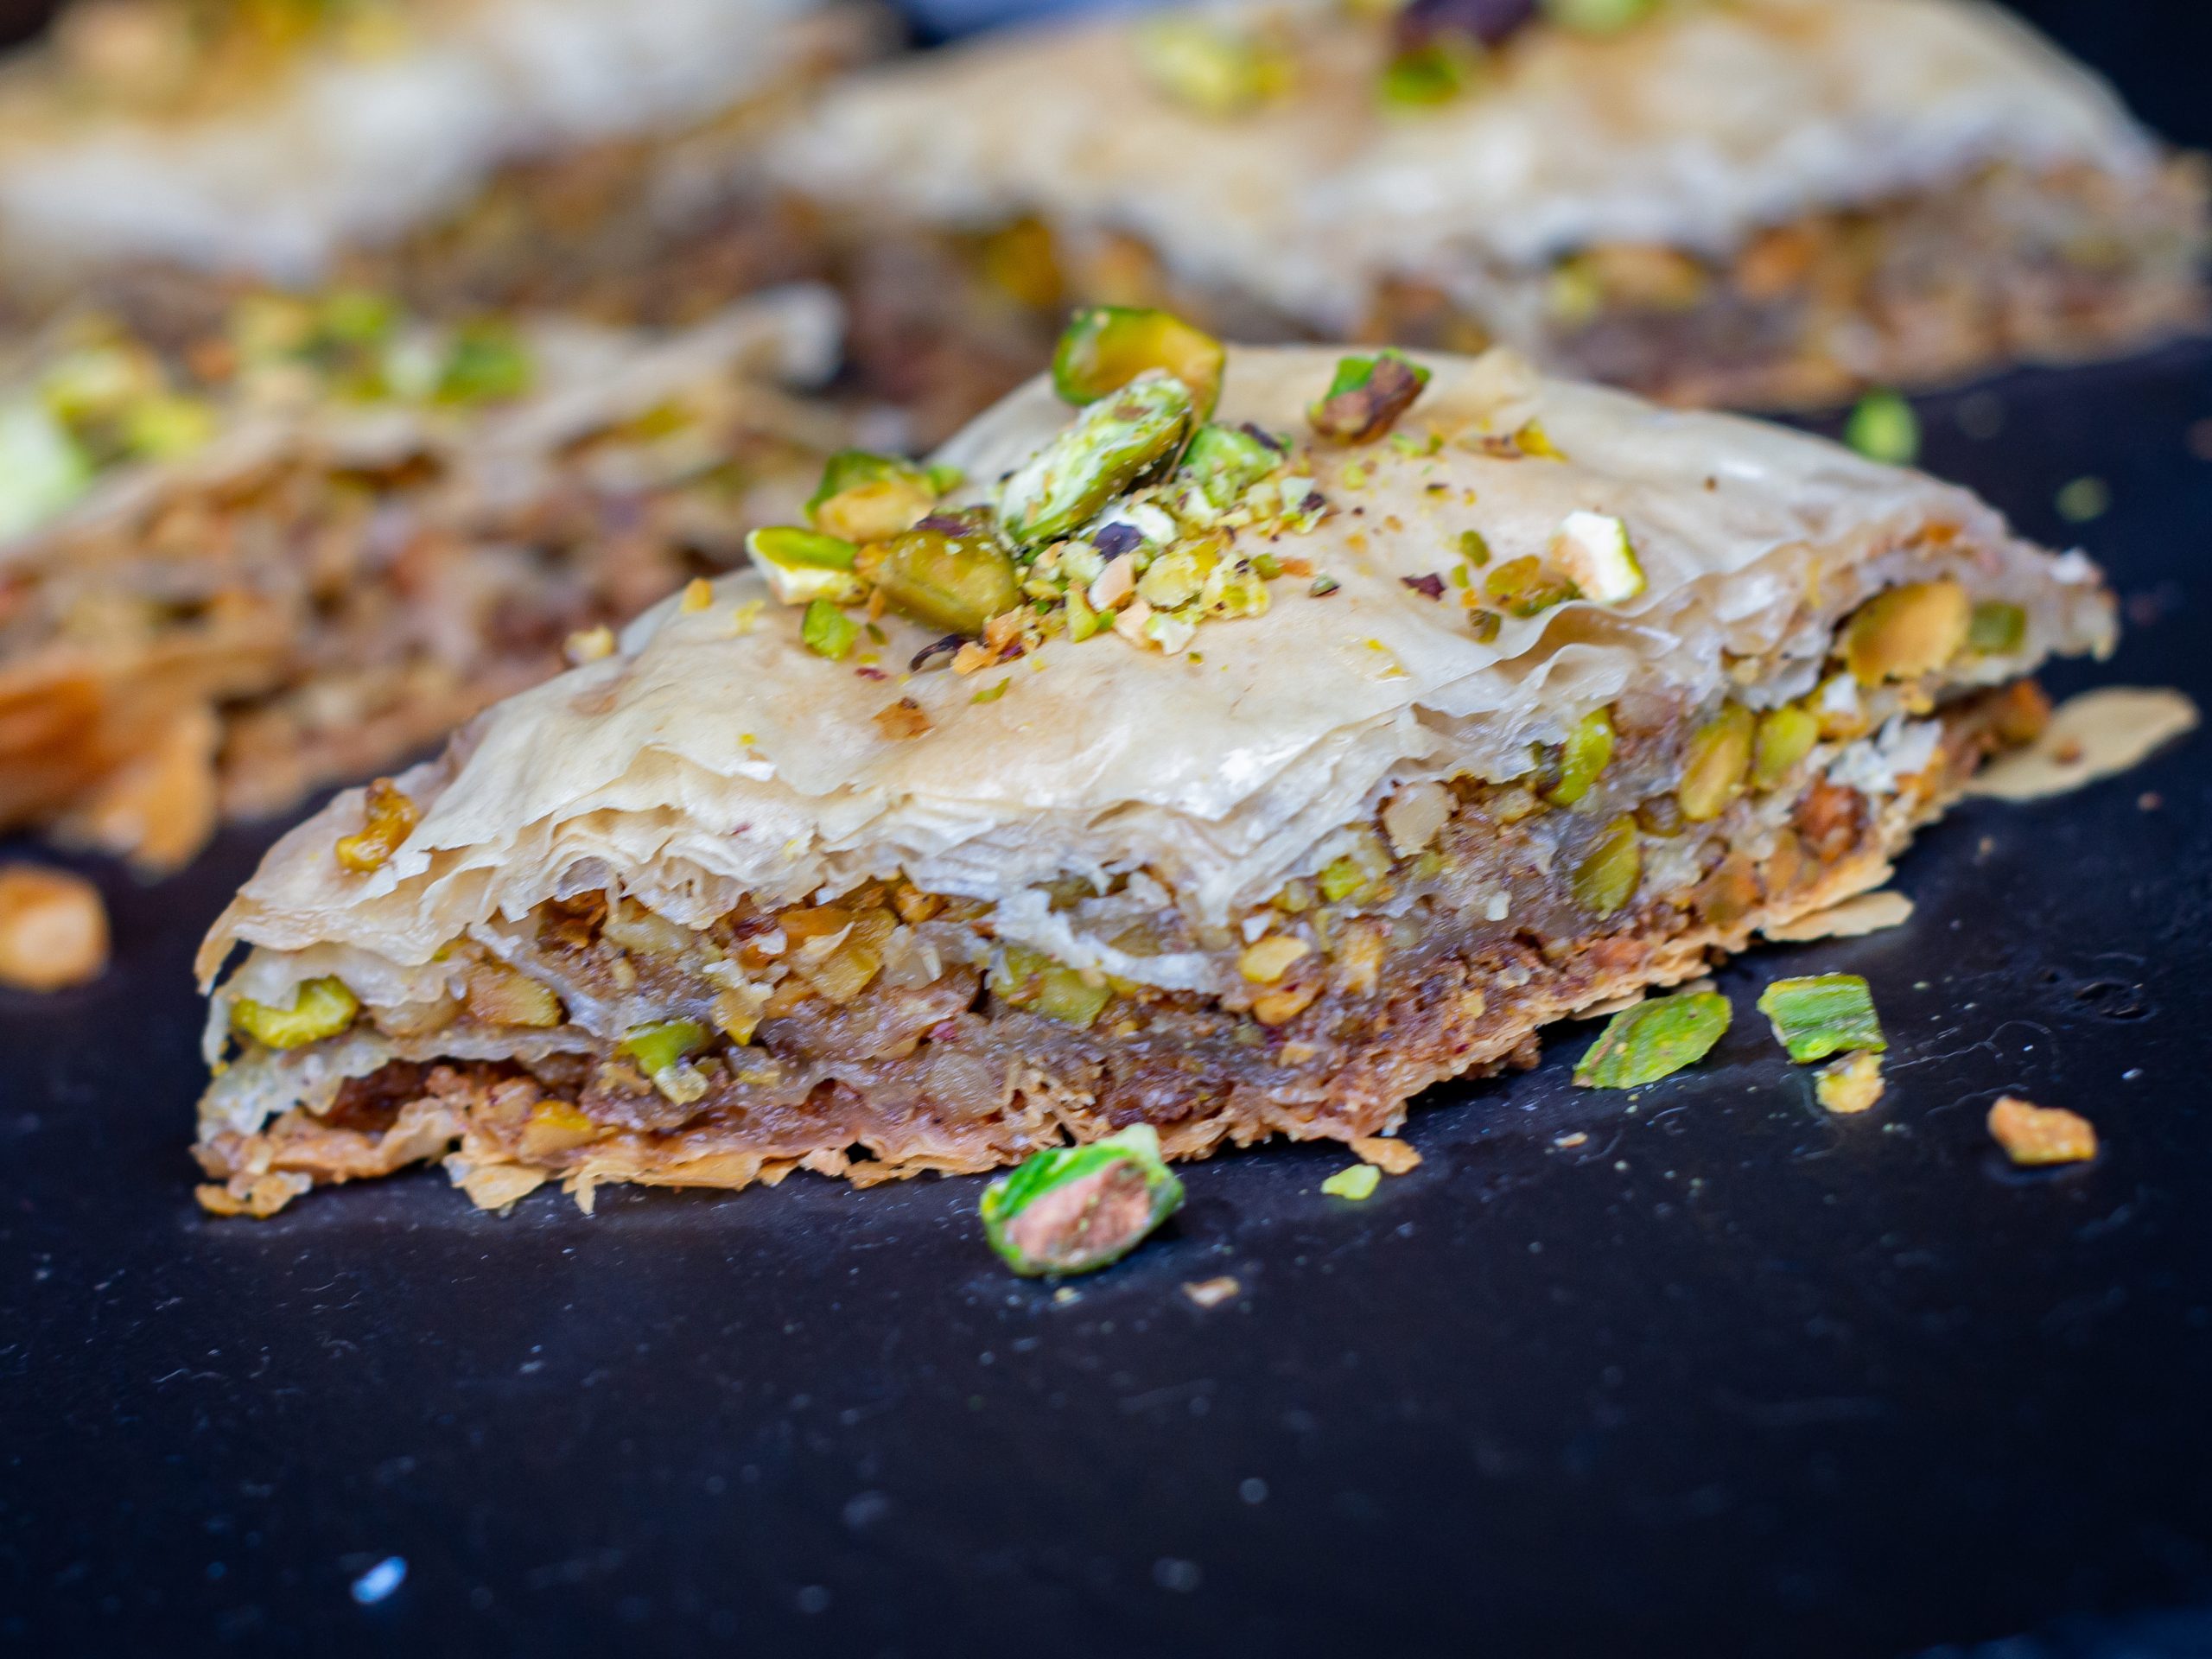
[(1239, 770), (1757, 203), (300, 544)]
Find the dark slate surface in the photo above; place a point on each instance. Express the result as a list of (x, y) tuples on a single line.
[(1730, 1377)]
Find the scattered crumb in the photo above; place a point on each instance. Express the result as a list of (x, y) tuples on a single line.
[(260, 1196), (1577, 1139), (1355, 1182), (52, 929), (1391, 1157), (1869, 913), (1851, 1084), (2150, 801), (2083, 500), (698, 595), (903, 719), (1212, 1292), (2032, 1134), (2091, 736), (589, 645), (1065, 1294)]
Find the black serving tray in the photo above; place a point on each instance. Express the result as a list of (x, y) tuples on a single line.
[(1730, 1377)]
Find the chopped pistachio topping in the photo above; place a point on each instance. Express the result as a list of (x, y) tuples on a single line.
[(1076, 1209), (1654, 1040), (1106, 346), (1593, 550), (1367, 397), (1823, 1015), (1523, 587), (828, 631), (802, 566), (943, 579), (1434, 72), (1588, 747), (1210, 66), (1355, 1183), (323, 1007), (1116, 442), (485, 363), (1884, 428), (1597, 17)]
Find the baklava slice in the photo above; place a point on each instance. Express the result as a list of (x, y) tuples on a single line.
[(1236, 743), (299, 548), (1750, 202)]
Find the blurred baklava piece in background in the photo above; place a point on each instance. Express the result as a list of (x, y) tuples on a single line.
[(1760, 203)]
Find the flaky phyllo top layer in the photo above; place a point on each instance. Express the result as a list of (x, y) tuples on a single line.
[(1361, 618), (1291, 150)]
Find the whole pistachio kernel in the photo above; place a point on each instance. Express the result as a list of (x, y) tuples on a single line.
[(1074, 1209), (1884, 428), (1607, 876), (323, 1007), (1367, 395), (1786, 736), (1113, 443), (955, 583), (1903, 633), (1588, 747), (1105, 347), (874, 508), (1713, 773)]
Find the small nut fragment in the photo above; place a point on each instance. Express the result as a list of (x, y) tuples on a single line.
[(1212, 1292), (2033, 1135), (1414, 815), (1906, 632), (1851, 1084), (1268, 960), (52, 929), (903, 719), (1392, 1157), (389, 817)]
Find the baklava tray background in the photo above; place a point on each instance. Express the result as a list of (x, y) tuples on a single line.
[(1731, 1376)]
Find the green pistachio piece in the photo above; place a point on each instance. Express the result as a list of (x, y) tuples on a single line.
[(1074, 1209), (1605, 880), (1587, 749), (168, 426), (804, 565), (486, 363), (1597, 17), (1523, 587), (1030, 979), (1112, 444), (42, 468), (1995, 628), (1713, 771), (1823, 1015), (1225, 461), (1786, 735), (323, 1008), (1367, 395), (356, 316), (828, 631), (1106, 346), (1435, 72), (955, 583), (1209, 68), (1884, 428), (1656, 1038), (657, 1046)]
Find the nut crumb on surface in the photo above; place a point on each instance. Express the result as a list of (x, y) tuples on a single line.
[(901, 720), (1566, 1142), (1212, 1292), (2033, 1135), (52, 929), (1851, 1084), (1392, 1157)]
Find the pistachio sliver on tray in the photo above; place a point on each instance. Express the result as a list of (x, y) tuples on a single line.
[(1076, 1208), (1824, 1015)]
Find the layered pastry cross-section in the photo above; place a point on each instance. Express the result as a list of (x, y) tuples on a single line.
[(1239, 770), (298, 547), (1749, 202)]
